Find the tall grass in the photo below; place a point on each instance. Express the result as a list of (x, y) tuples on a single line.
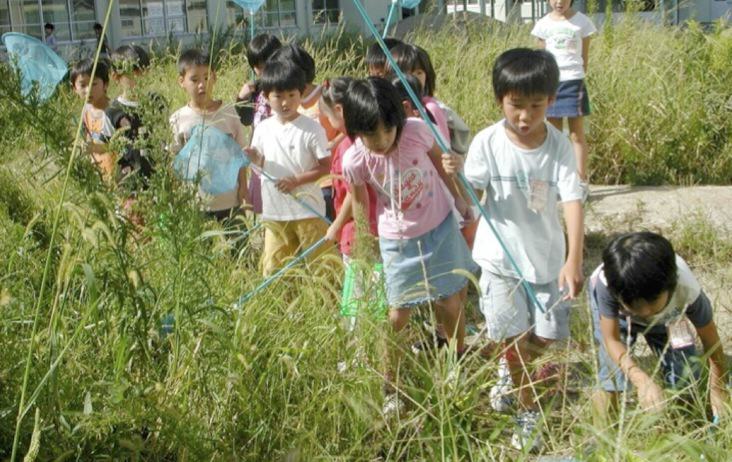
[(110, 380)]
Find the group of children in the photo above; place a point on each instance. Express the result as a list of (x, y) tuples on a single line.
[(324, 154)]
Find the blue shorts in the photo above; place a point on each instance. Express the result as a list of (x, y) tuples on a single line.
[(680, 366), (422, 269), (572, 100)]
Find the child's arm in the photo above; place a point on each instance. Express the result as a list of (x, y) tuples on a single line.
[(718, 394), (571, 274), (436, 157), (585, 52), (242, 191), (344, 214), (288, 183), (650, 394), (359, 199)]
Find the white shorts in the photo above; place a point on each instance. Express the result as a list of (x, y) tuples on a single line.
[(510, 312)]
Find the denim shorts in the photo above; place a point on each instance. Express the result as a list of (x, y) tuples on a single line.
[(679, 366), (427, 267), (572, 100)]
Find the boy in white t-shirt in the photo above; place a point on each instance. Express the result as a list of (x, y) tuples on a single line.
[(524, 165), (566, 34), (197, 76), (293, 149)]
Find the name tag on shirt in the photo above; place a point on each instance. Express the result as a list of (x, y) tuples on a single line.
[(538, 194)]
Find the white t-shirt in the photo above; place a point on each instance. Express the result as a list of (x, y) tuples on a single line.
[(225, 119), (563, 39), (522, 188), (290, 148)]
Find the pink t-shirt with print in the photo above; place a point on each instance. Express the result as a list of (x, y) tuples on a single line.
[(421, 203)]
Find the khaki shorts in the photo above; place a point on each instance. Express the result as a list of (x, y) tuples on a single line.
[(284, 240)]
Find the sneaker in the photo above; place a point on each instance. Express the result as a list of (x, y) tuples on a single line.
[(501, 394), (393, 406), (527, 436)]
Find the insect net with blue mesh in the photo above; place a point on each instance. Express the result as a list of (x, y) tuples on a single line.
[(36, 63), (211, 157)]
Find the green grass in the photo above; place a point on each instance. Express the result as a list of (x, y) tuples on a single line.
[(261, 383)]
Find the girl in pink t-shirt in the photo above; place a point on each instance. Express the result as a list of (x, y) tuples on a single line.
[(419, 239)]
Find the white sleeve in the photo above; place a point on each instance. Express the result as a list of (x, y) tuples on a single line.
[(477, 166), (319, 143), (587, 27), (568, 180), (539, 31)]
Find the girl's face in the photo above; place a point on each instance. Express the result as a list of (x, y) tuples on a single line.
[(381, 140), (420, 75), (334, 115), (560, 6)]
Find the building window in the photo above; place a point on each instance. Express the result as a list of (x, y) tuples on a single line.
[(326, 11), (274, 14), (73, 19), (156, 18)]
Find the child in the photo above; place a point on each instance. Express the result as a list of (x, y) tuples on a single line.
[(51, 41), (418, 235), (128, 64), (376, 62), (643, 286), (259, 50), (524, 165), (566, 34), (293, 149), (197, 76), (99, 128), (414, 62), (298, 56)]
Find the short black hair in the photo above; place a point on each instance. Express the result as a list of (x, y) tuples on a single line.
[(85, 67), (48, 25), (335, 91), (261, 48), (375, 57), (639, 266), (369, 102), (194, 57), (297, 55), (282, 76), (129, 58), (526, 72), (413, 82), (410, 58), (98, 26)]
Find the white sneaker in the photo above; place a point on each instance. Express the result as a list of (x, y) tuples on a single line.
[(393, 406), (501, 394), (527, 435)]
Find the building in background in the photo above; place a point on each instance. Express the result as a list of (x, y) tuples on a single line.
[(142, 21)]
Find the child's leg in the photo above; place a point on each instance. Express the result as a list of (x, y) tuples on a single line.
[(518, 356), (280, 242), (579, 143), (308, 232), (451, 318), (398, 319)]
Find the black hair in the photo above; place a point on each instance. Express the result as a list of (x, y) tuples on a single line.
[(194, 57), (526, 72), (297, 55), (48, 25), (639, 266), (129, 58), (416, 86), (369, 102), (282, 76), (98, 27), (375, 57), (410, 58), (335, 91), (261, 48), (85, 67)]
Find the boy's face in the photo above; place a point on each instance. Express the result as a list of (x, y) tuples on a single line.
[(285, 103), (198, 82), (48, 31), (377, 71), (525, 115), (96, 90), (645, 309), (560, 6), (381, 140)]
